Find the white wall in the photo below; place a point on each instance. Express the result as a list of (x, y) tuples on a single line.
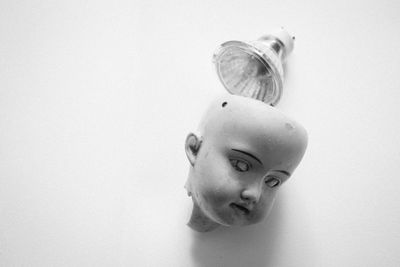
[(96, 99)]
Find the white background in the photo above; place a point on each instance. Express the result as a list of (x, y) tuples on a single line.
[(96, 99)]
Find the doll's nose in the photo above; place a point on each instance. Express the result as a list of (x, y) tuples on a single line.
[(251, 194)]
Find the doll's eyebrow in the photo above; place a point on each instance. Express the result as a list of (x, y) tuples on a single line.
[(284, 172), (248, 154)]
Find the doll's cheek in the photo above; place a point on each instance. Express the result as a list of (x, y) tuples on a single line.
[(218, 197)]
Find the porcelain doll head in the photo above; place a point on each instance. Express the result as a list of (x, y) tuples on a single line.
[(243, 152)]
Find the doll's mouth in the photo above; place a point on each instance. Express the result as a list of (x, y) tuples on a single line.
[(240, 208)]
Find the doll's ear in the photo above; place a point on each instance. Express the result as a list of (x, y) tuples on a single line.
[(192, 147)]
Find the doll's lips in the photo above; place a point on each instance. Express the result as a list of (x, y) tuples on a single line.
[(240, 208)]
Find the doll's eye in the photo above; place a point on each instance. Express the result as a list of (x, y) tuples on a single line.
[(239, 165), (272, 182)]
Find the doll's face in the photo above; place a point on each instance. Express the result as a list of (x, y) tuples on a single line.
[(245, 151)]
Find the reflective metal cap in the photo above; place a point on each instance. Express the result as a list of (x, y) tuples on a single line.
[(254, 69)]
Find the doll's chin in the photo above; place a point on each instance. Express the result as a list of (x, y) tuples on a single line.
[(236, 221)]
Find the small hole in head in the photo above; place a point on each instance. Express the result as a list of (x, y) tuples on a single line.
[(224, 104)]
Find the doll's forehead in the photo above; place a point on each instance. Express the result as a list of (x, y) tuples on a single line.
[(239, 122), (230, 114)]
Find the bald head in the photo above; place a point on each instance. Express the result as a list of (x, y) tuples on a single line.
[(251, 123)]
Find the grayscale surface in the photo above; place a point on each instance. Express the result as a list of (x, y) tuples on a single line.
[(97, 97)]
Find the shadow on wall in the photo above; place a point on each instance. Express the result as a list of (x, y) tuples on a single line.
[(254, 245)]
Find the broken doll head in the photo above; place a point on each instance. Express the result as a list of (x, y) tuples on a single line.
[(243, 152)]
